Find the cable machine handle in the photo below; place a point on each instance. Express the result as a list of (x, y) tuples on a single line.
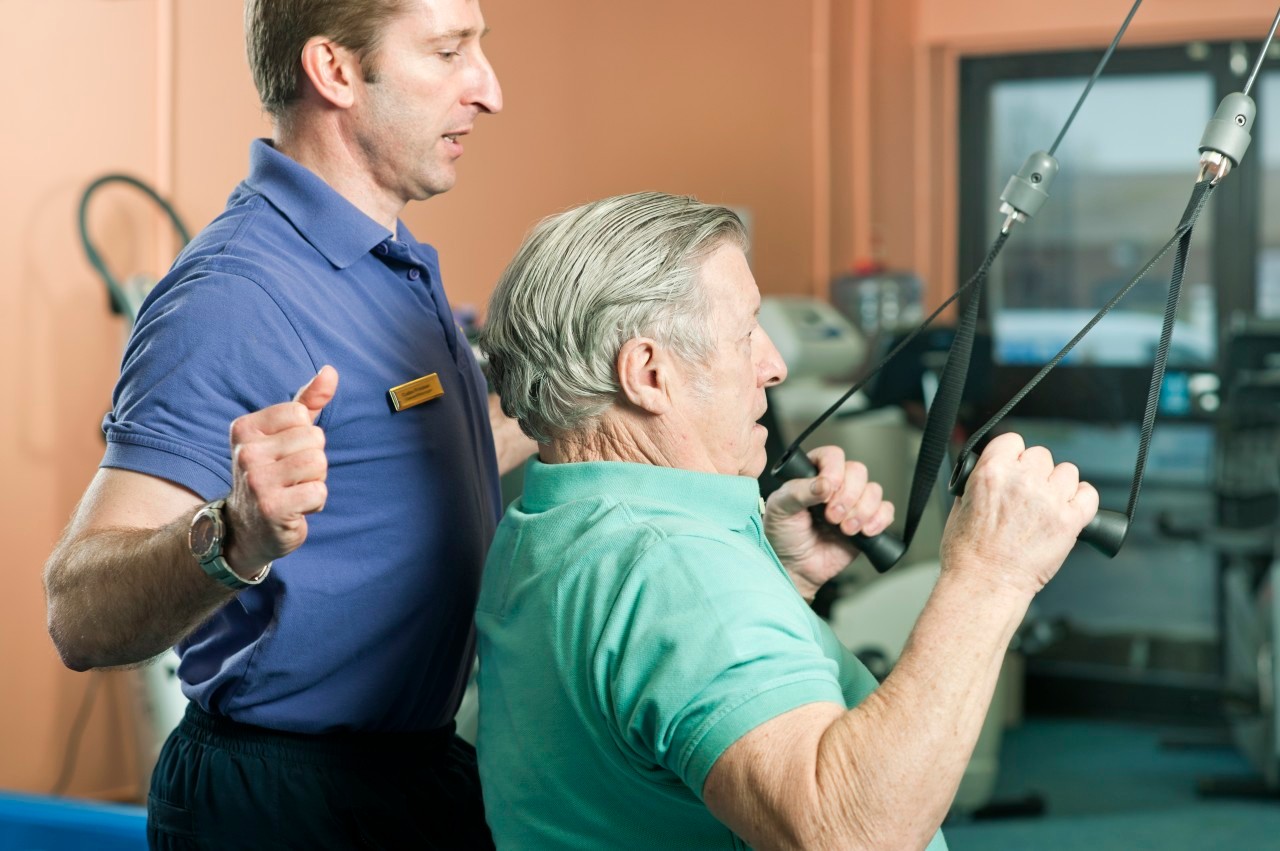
[(883, 550), (1105, 533)]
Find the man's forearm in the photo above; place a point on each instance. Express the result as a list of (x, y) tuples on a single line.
[(893, 763), (122, 596)]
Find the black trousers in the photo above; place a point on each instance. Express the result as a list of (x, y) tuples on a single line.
[(223, 785)]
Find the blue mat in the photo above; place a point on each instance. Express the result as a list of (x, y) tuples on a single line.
[(36, 823)]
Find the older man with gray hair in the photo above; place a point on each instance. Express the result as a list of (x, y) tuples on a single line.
[(651, 675)]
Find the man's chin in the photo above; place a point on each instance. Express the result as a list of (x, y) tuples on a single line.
[(754, 465), (437, 182)]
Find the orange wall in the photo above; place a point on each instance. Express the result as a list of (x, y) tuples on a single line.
[(833, 121), (710, 98), (79, 100)]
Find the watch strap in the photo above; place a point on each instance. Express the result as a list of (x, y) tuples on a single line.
[(221, 572)]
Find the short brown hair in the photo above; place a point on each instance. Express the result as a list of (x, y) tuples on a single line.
[(277, 30)]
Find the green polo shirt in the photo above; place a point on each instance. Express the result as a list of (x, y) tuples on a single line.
[(633, 624)]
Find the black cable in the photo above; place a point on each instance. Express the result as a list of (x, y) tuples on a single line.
[(1097, 72), (77, 733), (119, 300), (1262, 54)]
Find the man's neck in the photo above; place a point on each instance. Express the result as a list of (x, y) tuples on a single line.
[(327, 154), (619, 436)]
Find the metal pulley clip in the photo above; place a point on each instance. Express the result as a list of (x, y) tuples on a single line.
[(1226, 136), (1026, 191)]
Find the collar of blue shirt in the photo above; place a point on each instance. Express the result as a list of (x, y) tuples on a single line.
[(327, 220)]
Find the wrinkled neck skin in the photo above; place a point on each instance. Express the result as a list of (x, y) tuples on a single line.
[(629, 435)]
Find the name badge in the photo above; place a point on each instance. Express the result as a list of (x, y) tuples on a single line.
[(416, 392)]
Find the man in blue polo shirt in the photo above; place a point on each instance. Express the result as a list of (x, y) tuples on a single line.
[(323, 677)]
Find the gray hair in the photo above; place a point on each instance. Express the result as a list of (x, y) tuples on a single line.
[(584, 283)]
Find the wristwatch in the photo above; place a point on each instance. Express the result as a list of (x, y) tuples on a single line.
[(207, 538)]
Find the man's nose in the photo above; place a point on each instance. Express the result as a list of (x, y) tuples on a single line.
[(487, 93), (772, 369)]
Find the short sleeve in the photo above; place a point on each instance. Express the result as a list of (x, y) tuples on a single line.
[(705, 643), (208, 349)]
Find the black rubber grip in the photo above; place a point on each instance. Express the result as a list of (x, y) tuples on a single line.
[(883, 550)]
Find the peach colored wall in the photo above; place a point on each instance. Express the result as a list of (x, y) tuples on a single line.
[(1010, 25), (106, 87), (710, 98), (79, 100)]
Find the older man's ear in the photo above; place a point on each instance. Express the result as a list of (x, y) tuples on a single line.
[(645, 373)]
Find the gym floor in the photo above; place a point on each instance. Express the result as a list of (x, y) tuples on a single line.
[(1122, 786)]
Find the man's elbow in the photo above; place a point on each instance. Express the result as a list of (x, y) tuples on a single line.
[(70, 651), (79, 664), (67, 635)]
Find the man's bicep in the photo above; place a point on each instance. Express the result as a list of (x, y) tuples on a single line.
[(123, 499), (764, 786), (211, 348)]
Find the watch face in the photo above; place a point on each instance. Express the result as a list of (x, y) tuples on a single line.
[(205, 534)]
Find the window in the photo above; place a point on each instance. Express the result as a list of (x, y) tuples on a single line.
[(1128, 166)]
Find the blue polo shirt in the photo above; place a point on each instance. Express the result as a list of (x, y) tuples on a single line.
[(368, 626)]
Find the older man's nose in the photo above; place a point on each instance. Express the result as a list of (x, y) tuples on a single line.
[(772, 369)]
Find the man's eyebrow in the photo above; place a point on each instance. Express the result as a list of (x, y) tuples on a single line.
[(459, 34)]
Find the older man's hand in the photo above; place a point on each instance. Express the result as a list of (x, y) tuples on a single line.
[(814, 555), (1019, 516)]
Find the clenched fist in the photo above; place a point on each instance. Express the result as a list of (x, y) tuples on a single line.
[(1019, 516), (278, 468), (811, 555)]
